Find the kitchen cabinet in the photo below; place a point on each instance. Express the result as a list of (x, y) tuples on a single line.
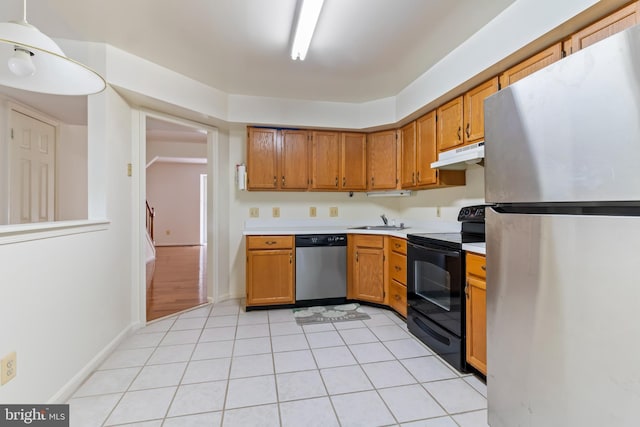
[(450, 121), (618, 21), (338, 161), (277, 159), (476, 301), (270, 269), (367, 274), (398, 275), (382, 168), (474, 110), (531, 65), (419, 151)]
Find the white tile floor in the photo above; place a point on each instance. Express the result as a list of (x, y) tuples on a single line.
[(221, 366)]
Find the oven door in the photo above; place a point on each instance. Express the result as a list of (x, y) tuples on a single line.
[(434, 285)]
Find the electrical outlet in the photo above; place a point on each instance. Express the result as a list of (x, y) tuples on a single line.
[(276, 212), (313, 212), (333, 211), (254, 212), (9, 368)]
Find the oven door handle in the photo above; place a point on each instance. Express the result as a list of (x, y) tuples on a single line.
[(439, 251)]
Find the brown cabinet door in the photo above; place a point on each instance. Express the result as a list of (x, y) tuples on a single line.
[(408, 156), (294, 160), (477, 323), (262, 159), (353, 161), (382, 160), (618, 21), (398, 297), (474, 110), (369, 274), (426, 151), (531, 65), (270, 277), (450, 125), (325, 160)]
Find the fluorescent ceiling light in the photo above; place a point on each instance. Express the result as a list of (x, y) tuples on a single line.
[(307, 20), (29, 60)]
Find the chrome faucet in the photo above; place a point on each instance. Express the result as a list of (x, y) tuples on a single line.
[(384, 219)]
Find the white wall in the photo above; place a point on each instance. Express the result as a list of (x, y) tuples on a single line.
[(71, 173), (65, 299), (173, 190), (175, 149)]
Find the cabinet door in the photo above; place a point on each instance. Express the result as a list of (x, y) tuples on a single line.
[(408, 155), (270, 277), (294, 160), (531, 65), (262, 159), (369, 274), (398, 297), (618, 21), (450, 125), (353, 161), (477, 323), (325, 160), (381, 160), (474, 110), (426, 151)]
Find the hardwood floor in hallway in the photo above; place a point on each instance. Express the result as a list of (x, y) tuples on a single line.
[(179, 280)]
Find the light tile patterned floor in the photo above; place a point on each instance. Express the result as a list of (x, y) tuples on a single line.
[(221, 366)]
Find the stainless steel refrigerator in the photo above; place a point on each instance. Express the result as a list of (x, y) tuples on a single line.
[(563, 242)]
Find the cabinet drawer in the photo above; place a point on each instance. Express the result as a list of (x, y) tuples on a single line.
[(476, 265), (398, 267), (398, 245), (398, 297), (269, 242), (368, 241)]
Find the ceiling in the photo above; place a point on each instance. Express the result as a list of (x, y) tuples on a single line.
[(361, 50)]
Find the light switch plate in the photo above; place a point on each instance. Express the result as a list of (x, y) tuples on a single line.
[(254, 212), (276, 212), (333, 211), (313, 212)]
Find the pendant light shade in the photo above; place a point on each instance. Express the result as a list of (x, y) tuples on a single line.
[(30, 60)]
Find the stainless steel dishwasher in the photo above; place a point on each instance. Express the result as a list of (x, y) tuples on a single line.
[(321, 267)]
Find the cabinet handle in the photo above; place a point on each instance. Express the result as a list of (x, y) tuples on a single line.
[(372, 181), (336, 181), (290, 258), (283, 180), (275, 181), (344, 181), (466, 290), (270, 242), (356, 256), (397, 245), (459, 133), (418, 176), (398, 268), (484, 268), (468, 131), (413, 177), (397, 297)]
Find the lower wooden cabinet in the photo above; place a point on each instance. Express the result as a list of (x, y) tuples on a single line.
[(398, 275), (367, 275), (476, 293), (270, 270)]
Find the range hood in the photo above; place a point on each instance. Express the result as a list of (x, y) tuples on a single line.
[(460, 158)]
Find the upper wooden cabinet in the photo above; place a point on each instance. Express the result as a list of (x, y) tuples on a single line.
[(474, 110), (450, 124), (531, 65), (618, 21), (382, 160), (408, 160), (277, 160), (338, 161)]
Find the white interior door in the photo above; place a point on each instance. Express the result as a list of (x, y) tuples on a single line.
[(32, 166)]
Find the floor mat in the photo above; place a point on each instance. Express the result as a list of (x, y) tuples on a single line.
[(329, 313)]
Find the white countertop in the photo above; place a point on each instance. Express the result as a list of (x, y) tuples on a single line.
[(479, 248), (293, 227)]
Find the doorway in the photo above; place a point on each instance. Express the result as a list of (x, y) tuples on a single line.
[(176, 163)]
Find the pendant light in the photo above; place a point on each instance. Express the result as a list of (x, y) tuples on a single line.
[(29, 60)]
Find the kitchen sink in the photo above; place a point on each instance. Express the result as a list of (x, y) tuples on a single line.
[(379, 227)]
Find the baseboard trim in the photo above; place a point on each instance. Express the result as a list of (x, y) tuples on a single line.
[(63, 395)]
